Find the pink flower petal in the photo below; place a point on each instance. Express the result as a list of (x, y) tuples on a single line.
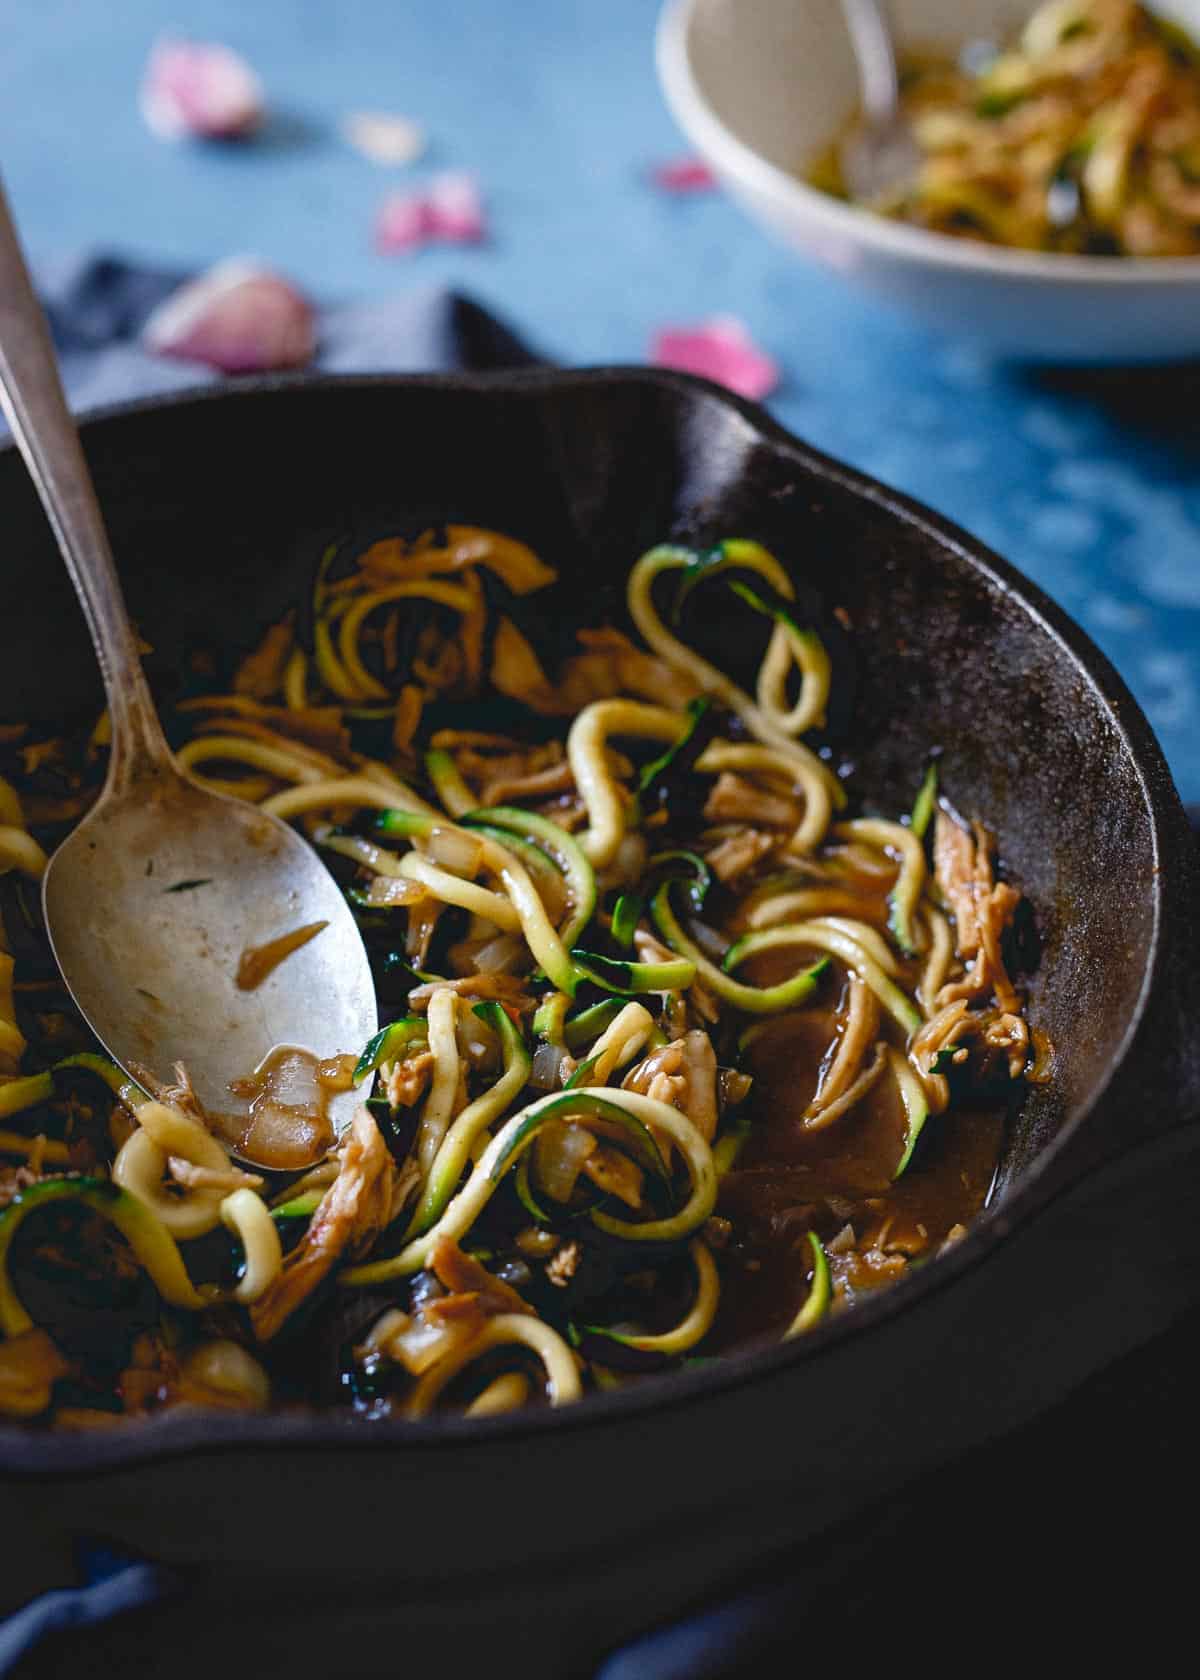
[(719, 349), (200, 89), (403, 223), (449, 210), (456, 207), (237, 318), (683, 175)]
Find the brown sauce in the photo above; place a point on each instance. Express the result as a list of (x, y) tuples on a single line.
[(789, 1180), (257, 961), (287, 1125)]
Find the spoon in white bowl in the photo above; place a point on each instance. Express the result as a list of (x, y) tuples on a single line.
[(879, 155), (154, 899)]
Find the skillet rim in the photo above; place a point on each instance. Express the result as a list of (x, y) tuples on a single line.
[(25, 1455)]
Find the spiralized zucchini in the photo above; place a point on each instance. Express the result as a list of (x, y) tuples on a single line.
[(1082, 135), (558, 1115)]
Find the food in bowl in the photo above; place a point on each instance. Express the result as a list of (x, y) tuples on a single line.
[(1083, 136), (679, 1053)]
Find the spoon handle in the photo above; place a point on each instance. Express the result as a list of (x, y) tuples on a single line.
[(31, 396), (871, 39)]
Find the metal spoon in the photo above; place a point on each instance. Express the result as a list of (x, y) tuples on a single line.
[(154, 897), (880, 154)]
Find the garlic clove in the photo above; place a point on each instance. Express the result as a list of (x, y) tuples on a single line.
[(237, 318)]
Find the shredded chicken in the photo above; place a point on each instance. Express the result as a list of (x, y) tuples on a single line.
[(734, 798), (409, 706), (737, 852), (536, 784), (1008, 1035), (407, 1081), (857, 1033), (322, 727), (30, 1364), (564, 1264), (261, 672), (615, 1174), (684, 1074), (191, 1177), (517, 671), (462, 1275), (504, 988), (612, 665), (981, 907), (350, 1215), (252, 730)]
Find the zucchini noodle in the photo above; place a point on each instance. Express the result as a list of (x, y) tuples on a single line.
[(802, 768), (804, 649), (910, 882), (506, 1148), (505, 1330), (142, 1162), (706, 677), (447, 1074), (246, 1215), (697, 1322), (1080, 136), (456, 1147), (149, 1238), (344, 790), (446, 594), (586, 744), (452, 889), (818, 936)]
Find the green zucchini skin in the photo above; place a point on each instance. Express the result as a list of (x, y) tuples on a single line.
[(820, 1294), (654, 774), (590, 1023), (752, 1000), (627, 913), (916, 1106), (391, 1044), (563, 850), (925, 803), (632, 979)]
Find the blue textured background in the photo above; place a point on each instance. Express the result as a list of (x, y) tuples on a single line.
[(1087, 482)]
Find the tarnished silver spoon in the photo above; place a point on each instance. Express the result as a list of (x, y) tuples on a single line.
[(879, 155), (153, 900)]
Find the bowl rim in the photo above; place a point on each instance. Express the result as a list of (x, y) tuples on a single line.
[(750, 170), (25, 1454)]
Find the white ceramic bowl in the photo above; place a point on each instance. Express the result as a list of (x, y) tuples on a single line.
[(761, 86)]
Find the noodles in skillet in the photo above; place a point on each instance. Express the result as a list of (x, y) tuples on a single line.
[(679, 1051)]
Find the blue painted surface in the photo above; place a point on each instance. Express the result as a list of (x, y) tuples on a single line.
[(1087, 482)]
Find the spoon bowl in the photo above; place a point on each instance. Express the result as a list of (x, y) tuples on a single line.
[(155, 899), (152, 903)]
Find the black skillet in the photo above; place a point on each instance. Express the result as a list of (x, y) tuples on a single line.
[(573, 1530)]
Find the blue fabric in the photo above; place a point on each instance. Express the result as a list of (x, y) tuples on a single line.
[(111, 1585)]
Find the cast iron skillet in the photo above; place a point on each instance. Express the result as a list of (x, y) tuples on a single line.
[(608, 1515)]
